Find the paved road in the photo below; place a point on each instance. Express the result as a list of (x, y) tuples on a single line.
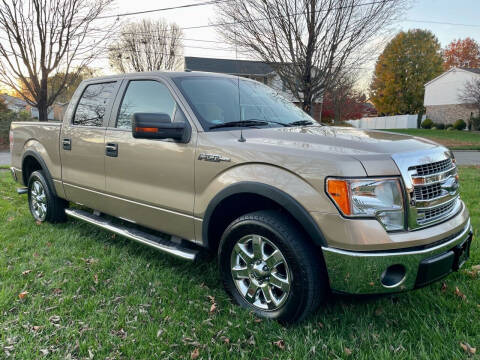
[(4, 158), (463, 157), (467, 157)]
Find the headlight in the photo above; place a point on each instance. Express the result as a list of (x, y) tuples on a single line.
[(376, 198)]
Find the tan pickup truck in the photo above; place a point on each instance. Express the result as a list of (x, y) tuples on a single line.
[(293, 209)]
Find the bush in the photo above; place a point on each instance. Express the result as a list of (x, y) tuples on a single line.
[(450, 128), (459, 124), (6, 118), (475, 121), (440, 126), (427, 124)]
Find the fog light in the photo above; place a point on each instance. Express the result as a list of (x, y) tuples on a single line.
[(393, 276)]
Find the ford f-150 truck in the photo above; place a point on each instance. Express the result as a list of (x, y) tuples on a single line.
[(293, 209)]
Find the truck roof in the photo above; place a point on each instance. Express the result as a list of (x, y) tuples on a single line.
[(169, 74)]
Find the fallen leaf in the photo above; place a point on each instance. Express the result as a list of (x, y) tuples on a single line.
[(54, 319), (460, 294), (444, 286), (44, 352), (347, 351), (320, 324), (251, 341), (23, 295), (195, 354), (468, 349), (476, 267), (379, 311), (159, 332), (38, 222), (26, 272), (10, 219), (95, 279), (37, 328), (8, 348), (257, 320), (213, 308), (225, 339), (57, 291), (280, 344)]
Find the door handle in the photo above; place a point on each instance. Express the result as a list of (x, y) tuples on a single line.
[(111, 150), (67, 144)]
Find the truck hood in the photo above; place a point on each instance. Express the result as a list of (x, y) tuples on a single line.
[(338, 139), (374, 149)]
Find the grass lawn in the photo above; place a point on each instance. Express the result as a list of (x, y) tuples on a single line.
[(74, 291), (455, 140)]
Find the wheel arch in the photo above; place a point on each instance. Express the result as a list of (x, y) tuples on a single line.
[(253, 196), (32, 161)]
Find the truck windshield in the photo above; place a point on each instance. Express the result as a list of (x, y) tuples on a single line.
[(219, 102)]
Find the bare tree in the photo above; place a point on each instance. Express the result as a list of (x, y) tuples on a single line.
[(40, 38), (147, 46), (307, 42), (470, 94)]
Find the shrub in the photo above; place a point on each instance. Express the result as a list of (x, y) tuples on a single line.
[(427, 124), (475, 121), (450, 128), (440, 126), (6, 118), (459, 124)]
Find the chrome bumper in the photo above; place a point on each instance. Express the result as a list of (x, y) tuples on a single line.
[(364, 272)]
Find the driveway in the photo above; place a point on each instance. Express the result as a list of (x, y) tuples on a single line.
[(467, 157), (4, 158)]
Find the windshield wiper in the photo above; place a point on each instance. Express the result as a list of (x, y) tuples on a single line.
[(242, 123), (300, 123)]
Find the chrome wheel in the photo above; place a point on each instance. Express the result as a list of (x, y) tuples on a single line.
[(38, 200), (260, 272)]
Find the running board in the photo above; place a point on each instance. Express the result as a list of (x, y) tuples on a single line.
[(153, 241), (22, 190)]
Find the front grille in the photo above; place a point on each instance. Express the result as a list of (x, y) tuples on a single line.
[(432, 168), (429, 215), (428, 192)]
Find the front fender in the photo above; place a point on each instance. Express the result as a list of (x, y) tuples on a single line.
[(289, 190)]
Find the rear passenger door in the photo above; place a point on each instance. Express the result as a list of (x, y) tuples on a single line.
[(151, 182), (82, 145)]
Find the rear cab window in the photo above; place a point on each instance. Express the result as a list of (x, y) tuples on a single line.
[(93, 104)]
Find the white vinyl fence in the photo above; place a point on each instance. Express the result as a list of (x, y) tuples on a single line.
[(386, 122)]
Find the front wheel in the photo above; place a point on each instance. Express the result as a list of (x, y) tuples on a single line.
[(44, 205), (269, 266)]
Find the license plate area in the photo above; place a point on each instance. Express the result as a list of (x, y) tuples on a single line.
[(462, 253)]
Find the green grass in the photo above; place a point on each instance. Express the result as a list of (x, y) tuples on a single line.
[(4, 167), (94, 295), (455, 140)]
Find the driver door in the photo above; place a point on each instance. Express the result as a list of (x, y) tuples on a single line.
[(149, 181)]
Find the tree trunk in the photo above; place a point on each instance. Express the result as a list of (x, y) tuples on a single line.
[(42, 100)]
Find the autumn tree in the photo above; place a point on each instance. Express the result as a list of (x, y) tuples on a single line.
[(147, 45), (343, 101), (307, 42), (462, 53), (44, 38), (409, 60), (470, 94), (56, 84)]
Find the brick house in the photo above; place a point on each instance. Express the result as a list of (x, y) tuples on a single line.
[(255, 70), (442, 101)]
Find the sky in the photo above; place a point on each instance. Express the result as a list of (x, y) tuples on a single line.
[(423, 14)]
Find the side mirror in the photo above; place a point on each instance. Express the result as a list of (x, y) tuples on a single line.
[(157, 126)]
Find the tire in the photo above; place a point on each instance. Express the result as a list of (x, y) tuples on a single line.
[(286, 286), (43, 204)]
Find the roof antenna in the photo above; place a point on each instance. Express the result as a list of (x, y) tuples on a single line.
[(242, 139)]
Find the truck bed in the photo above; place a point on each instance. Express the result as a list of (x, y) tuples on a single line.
[(40, 137)]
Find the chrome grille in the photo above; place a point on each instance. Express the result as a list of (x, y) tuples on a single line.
[(430, 178), (432, 168), (428, 192), (428, 215)]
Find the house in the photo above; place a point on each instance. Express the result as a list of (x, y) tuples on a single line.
[(256, 70), (16, 104), (442, 101)]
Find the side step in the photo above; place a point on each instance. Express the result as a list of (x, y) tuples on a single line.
[(136, 235), (22, 190)]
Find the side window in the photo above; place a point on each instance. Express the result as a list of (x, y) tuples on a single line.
[(93, 104), (146, 96)]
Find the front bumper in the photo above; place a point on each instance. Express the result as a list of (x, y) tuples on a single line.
[(366, 272)]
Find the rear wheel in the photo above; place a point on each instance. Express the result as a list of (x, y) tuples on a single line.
[(269, 267), (44, 205)]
